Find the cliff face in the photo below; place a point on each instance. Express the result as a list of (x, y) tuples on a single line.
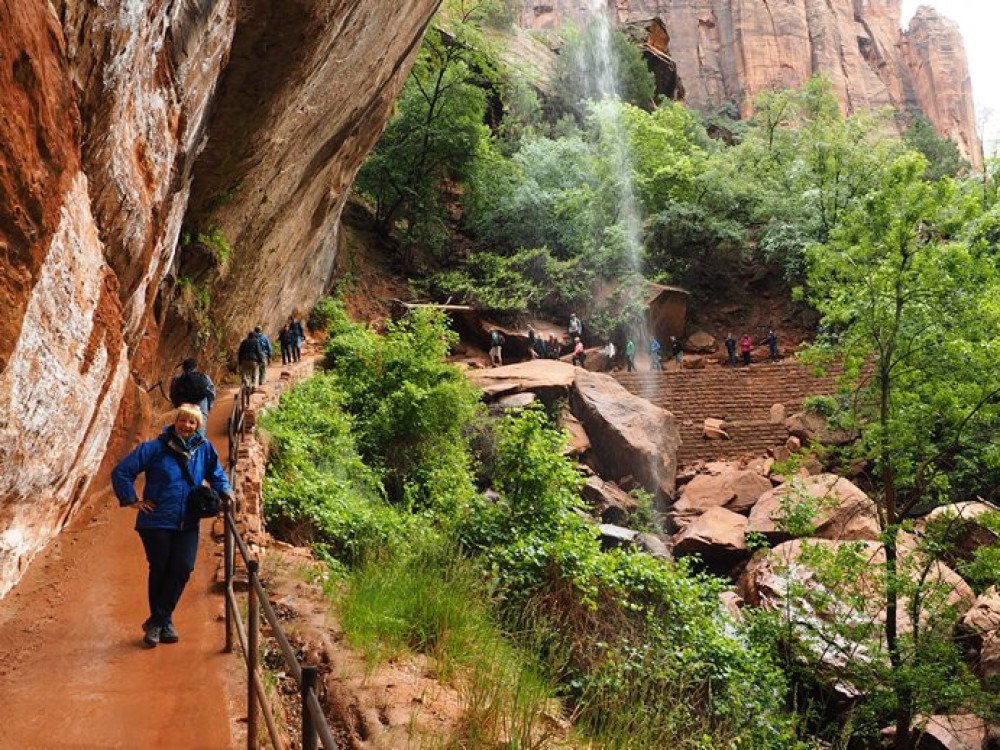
[(124, 122), (728, 51)]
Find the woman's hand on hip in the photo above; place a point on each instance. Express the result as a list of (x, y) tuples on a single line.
[(145, 506)]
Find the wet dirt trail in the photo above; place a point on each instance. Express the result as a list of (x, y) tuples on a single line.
[(73, 671)]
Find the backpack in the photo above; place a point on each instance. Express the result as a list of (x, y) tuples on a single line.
[(496, 338), (192, 387)]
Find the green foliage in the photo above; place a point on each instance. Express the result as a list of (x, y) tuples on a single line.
[(825, 406), (942, 154), (432, 601), (330, 315), (215, 241), (438, 127), (410, 408), (317, 490), (644, 647), (915, 312)]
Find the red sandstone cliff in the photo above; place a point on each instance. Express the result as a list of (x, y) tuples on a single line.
[(728, 51), (123, 123)]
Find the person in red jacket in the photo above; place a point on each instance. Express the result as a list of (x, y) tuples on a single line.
[(746, 346)]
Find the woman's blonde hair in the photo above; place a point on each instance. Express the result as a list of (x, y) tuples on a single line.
[(189, 410)]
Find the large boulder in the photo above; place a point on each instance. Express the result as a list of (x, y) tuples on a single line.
[(701, 342), (948, 732), (839, 509), (579, 441), (814, 428), (630, 435), (548, 378), (963, 526), (736, 489), (654, 545), (613, 536), (718, 535), (823, 610), (608, 501), (980, 629)]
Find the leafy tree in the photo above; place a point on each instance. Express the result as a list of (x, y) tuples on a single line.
[(942, 154), (915, 313), (438, 128)]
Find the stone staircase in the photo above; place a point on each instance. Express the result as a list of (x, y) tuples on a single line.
[(742, 396)]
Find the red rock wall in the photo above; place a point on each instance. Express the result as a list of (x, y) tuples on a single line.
[(111, 113), (731, 50)]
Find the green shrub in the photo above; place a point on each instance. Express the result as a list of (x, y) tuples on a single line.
[(642, 646), (410, 408), (317, 490), (824, 406), (330, 315)]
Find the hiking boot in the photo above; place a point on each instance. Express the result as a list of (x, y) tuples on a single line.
[(152, 637), (168, 634)]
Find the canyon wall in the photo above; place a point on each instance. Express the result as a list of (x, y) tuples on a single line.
[(728, 51), (127, 125)]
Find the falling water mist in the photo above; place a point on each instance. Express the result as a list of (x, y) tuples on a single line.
[(604, 78)]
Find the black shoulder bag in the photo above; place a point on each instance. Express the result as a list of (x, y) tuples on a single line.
[(202, 501)]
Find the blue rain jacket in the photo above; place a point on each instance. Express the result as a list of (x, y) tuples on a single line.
[(165, 483)]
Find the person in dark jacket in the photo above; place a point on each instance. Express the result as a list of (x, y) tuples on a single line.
[(169, 532), (772, 345), (731, 350), (285, 341), (193, 387), (251, 358), (298, 336)]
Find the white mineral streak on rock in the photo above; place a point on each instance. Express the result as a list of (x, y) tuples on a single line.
[(158, 130), (56, 409)]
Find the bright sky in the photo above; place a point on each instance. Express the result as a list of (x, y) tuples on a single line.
[(979, 21)]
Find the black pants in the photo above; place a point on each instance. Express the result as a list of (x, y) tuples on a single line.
[(746, 358), (286, 354), (171, 556), (296, 352)]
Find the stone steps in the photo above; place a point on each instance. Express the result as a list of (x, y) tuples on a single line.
[(741, 396)]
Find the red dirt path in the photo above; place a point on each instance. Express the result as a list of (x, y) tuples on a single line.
[(73, 672)]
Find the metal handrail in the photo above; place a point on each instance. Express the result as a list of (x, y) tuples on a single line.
[(314, 723)]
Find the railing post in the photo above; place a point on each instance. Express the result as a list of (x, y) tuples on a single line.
[(229, 563), (253, 614), (308, 725)]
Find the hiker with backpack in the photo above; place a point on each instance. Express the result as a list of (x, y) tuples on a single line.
[(251, 359), (630, 355), (497, 341), (193, 387), (174, 500)]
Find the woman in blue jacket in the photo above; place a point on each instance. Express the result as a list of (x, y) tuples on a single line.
[(168, 531)]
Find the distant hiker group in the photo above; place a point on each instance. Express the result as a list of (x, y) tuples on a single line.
[(255, 351), (573, 343), (746, 348)]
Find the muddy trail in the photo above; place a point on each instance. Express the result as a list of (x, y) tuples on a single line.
[(73, 669)]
